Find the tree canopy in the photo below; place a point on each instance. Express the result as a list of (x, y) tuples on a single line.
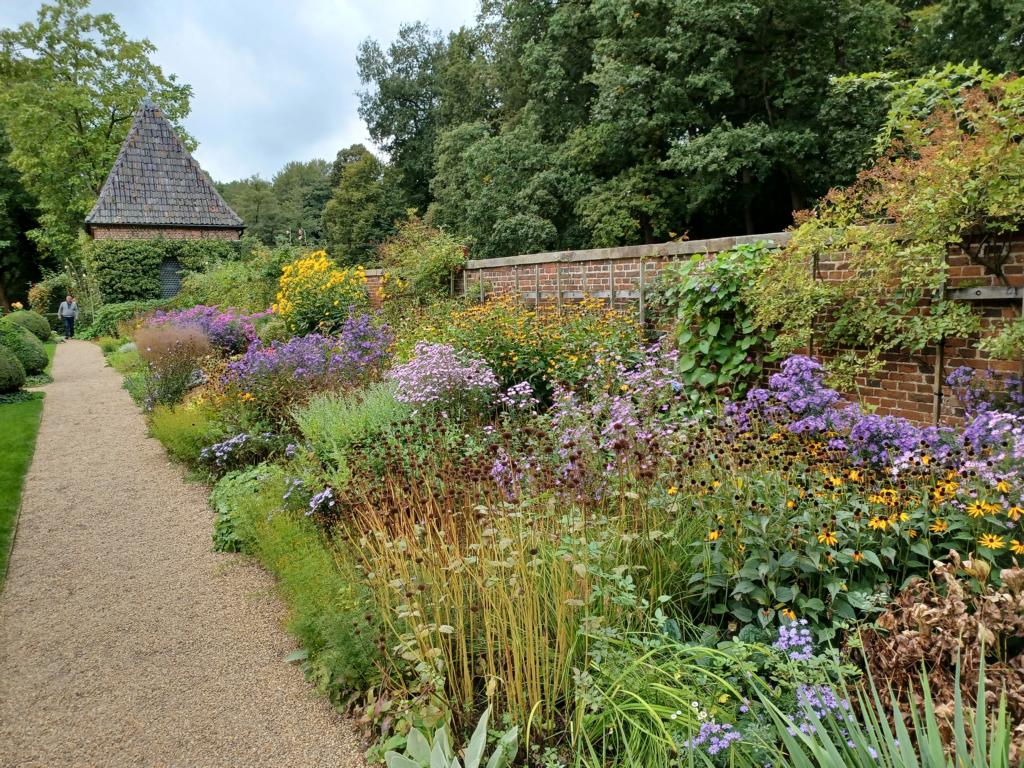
[(70, 83)]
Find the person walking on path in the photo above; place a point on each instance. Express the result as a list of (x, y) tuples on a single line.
[(68, 313)]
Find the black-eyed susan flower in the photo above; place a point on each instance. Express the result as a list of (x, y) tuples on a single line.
[(938, 526), (825, 536), (991, 541)]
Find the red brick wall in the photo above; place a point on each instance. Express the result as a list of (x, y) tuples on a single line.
[(108, 232), (903, 388)]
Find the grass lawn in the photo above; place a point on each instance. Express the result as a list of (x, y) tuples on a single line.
[(51, 348), (17, 442)]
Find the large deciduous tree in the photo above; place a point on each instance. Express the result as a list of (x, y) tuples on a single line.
[(70, 83)]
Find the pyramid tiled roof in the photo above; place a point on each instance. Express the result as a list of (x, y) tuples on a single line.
[(155, 181)]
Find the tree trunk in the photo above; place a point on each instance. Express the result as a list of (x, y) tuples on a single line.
[(3, 296)]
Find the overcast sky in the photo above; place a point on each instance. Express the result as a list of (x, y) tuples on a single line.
[(273, 80)]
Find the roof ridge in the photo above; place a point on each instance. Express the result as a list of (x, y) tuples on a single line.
[(156, 181)]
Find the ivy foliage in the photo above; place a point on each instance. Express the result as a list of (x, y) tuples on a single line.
[(720, 346), (951, 176), (129, 270)]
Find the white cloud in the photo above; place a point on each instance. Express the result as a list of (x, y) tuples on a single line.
[(273, 80)]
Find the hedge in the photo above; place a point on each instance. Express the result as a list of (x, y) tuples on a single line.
[(12, 372), (129, 270), (32, 321), (25, 346)]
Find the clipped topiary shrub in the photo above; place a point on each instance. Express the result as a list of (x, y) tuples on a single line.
[(31, 321), (12, 372), (27, 348)]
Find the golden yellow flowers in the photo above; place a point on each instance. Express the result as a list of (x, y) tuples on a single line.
[(673, 491), (1015, 513), (825, 536), (1017, 547), (713, 535), (878, 523), (938, 526), (976, 509), (991, 541), (1003, 487)]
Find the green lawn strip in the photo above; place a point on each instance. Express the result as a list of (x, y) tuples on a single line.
[(17, 442), (51, 349)]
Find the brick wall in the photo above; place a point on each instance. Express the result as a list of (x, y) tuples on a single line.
[(621, 275), (110, 232)]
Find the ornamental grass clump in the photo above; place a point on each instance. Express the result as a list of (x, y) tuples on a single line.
[(174, 358)]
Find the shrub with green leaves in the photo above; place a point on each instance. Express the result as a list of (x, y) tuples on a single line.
[(184, 430), (248, 283), (12, 372), (439, 753), (108, 317), (33, 322), (420, 263), (25, 346), (332, 423), (720, 346)]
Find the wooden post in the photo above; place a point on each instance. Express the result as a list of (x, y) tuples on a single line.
[(465, 282), (611, 284), (481, 273), (536, 285), (451, 284), (643, 306), (515, 274), (583, 278)]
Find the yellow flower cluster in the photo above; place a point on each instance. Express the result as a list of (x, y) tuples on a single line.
[(314, 293), (546, 343)]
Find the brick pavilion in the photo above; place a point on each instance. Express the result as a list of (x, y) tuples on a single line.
[(157, 190)]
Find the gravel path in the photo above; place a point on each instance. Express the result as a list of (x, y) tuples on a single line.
[(124, 640)]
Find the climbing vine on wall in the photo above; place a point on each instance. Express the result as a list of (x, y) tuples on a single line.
[(951, 175)]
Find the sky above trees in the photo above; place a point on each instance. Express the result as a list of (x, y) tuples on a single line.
[(273, 81)]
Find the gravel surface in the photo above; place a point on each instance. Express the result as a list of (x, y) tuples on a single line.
[(124, 640)]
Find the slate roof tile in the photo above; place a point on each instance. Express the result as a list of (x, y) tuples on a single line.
[(155, 181)]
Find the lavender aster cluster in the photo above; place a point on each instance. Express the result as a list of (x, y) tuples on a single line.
[(795, 641), (440, 375), (321, 502), (228, 330), (236, 451), (315, 361), (714, 737)]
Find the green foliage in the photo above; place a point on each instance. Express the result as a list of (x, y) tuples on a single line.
[(25, 346), (19, 262), (325, 597), (952, 176), (1008, 343), (184, 430), (333, 423), (71, 83), (420, 263), (902, 733), (129, 270), (12, 372), (125, 362), (439, 753), (108, 344), (31, 321), (248, 283), (719, 345), (225, 498), (17, 443), (108, 318), (363, 207)]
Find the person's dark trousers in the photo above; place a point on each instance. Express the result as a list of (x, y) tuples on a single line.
[(69, 327)]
